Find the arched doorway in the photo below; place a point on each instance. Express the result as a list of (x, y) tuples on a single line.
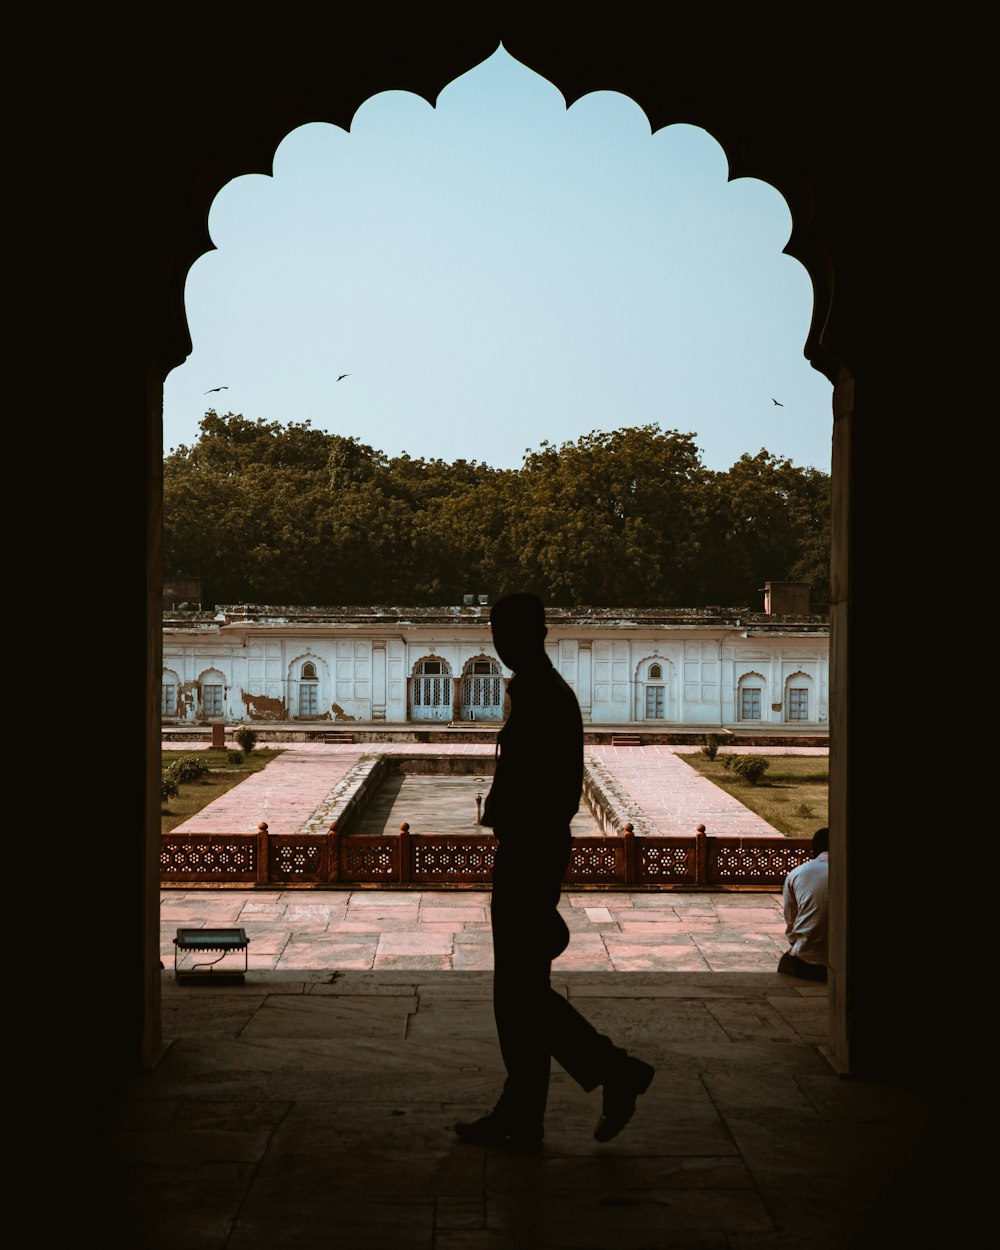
[(872, 266), (482, 690), (431, 690), (211, 692), (427, 690), (655, 690), (306, 689)]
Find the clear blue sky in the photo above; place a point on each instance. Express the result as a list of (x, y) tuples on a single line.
[(499, 270)]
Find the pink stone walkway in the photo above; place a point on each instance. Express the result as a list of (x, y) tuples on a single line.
[(671, 795)]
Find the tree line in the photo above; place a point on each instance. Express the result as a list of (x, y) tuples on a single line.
[(265, 513)]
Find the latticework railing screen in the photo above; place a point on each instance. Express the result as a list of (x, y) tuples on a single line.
[(208, 857), (298, 859), (595, 861), (436, 859), (467, 860), (754, 861), (666, 861), (369, 858)]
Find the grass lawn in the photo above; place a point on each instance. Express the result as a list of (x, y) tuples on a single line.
[(195, 795), (793, 795)]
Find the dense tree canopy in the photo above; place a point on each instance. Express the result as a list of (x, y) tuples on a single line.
[(264, 513)]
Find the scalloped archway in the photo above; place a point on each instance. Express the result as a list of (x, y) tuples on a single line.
[(816, 147)]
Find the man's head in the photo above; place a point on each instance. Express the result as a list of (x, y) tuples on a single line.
[(518, 625), (821, 841)]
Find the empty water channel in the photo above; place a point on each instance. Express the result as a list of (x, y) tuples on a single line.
[(444, 794)]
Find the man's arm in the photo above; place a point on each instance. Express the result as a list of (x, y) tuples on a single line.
[(790, 905)]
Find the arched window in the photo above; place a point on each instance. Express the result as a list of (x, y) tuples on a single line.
[(168, 694), (655, 672)]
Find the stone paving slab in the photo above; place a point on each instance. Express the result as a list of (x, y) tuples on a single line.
[(358, 929), (297, 1113), (308, 1115)]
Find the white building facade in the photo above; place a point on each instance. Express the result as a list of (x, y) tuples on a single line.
[(684, 668)]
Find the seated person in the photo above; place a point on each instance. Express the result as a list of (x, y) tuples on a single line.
[(804, 898)]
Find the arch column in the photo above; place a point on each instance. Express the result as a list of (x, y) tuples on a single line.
[(840, 568)]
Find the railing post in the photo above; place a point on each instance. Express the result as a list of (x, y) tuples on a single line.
[(700, 856), (263, 865), (333, 862), (404, 853), (630, 855)]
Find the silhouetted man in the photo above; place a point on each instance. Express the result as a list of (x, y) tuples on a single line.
[(535, 793)]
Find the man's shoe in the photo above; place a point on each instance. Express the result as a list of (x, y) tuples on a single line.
[(620, 1092), (491, 1130)]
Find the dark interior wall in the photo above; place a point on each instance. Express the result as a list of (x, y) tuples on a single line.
[(116, 199)]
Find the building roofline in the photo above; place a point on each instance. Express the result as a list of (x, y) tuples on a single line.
[(577, 617)]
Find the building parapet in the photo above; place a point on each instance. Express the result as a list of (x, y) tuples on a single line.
[(577, 617)]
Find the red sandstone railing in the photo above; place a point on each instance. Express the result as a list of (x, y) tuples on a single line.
[(405, 859)]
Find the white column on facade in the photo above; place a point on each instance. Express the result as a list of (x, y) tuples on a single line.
[(241, 676), (720, 684), (378, 679), (584, 675), (735, 671), (395, 651), (189, 688)]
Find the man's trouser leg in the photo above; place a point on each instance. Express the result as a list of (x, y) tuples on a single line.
[(520, 989), (534, 1023)]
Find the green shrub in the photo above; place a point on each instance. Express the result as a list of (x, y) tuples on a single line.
[(188, 769), (235, 757), (711, 748), (729, 761), (168, 788), (247, 738), (750, 767)]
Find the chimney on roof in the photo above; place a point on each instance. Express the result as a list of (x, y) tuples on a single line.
[(786, 598)]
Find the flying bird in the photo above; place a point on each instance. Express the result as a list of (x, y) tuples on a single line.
[(216, 388), (774, 401), (342, 376)]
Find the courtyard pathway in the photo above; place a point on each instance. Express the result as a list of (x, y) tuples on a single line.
[(671, 795)]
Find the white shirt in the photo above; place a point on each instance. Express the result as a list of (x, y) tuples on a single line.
[(804, 896)]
